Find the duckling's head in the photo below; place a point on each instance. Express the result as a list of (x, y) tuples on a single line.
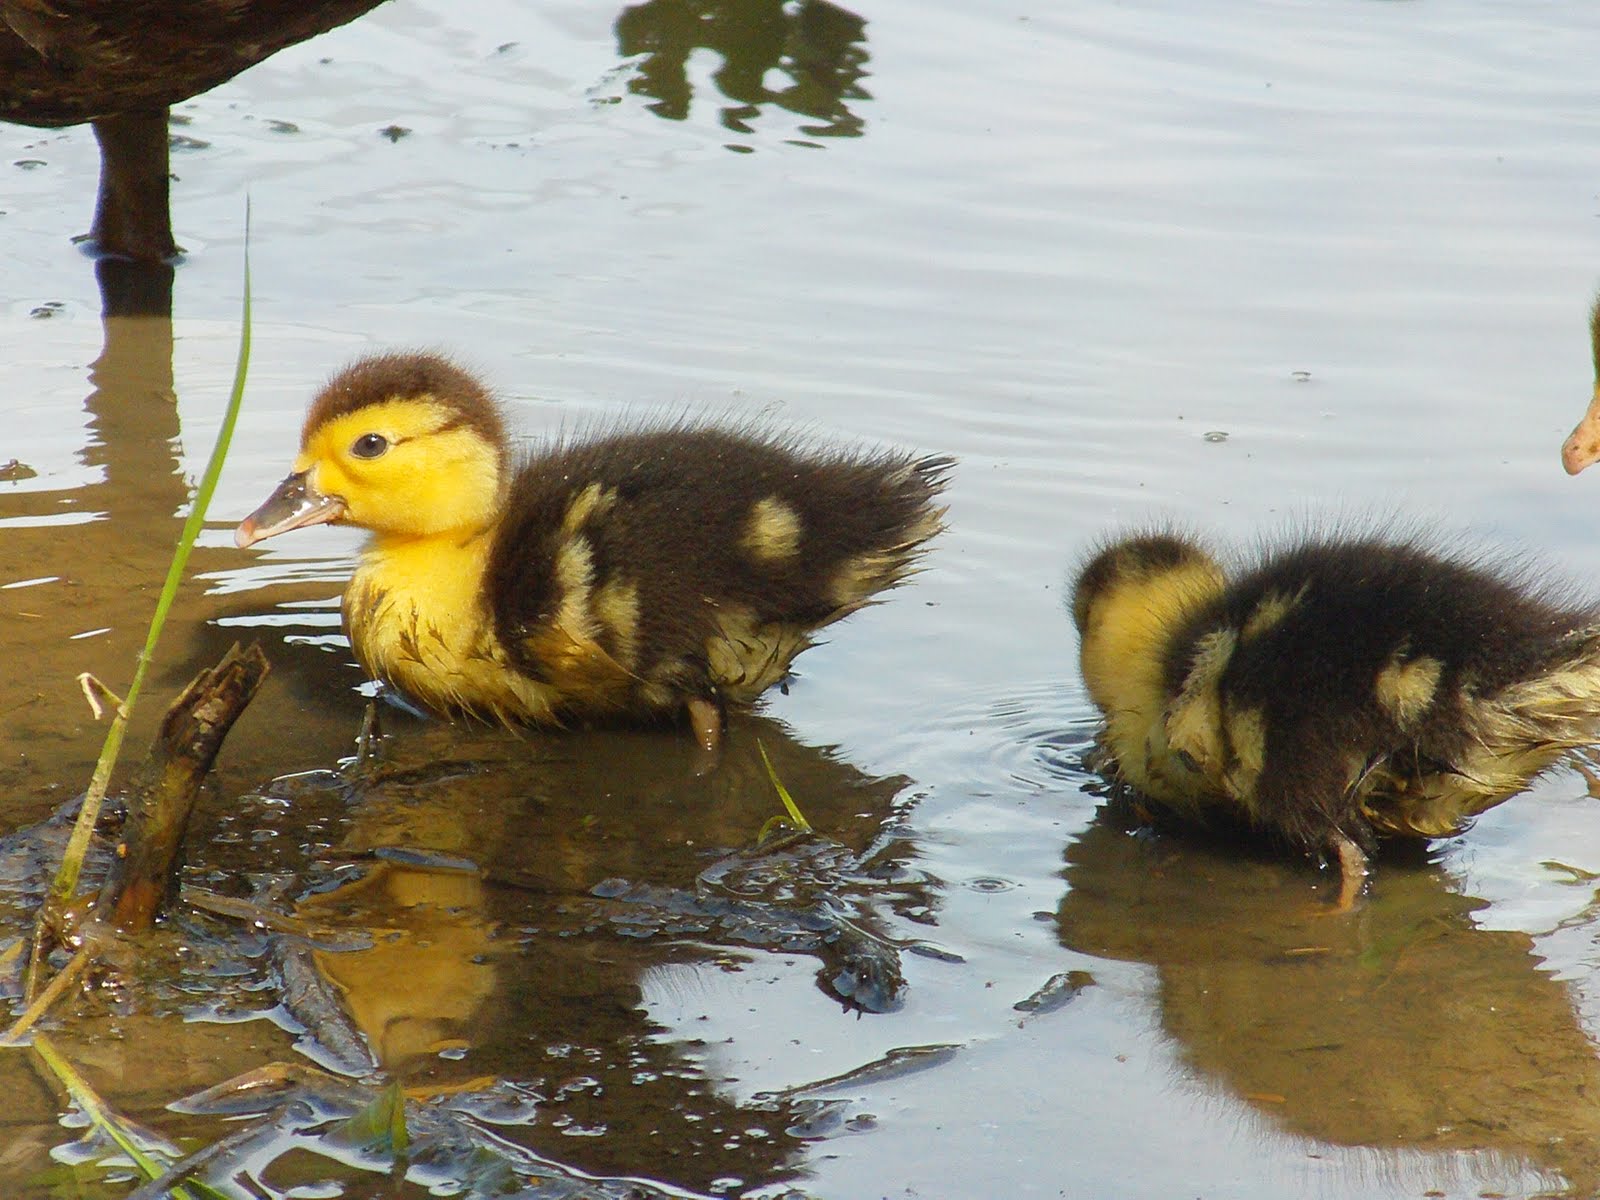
[(1131, 600), (1159, 572), (406, 445)]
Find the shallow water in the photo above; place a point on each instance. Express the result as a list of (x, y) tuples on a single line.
[(1248, 263)]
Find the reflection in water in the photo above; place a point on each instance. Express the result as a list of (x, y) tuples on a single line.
[(418, 989), (92, 558), (97, 548), (517, 969), (819, 48), (521, 1000), (1400, 1026)]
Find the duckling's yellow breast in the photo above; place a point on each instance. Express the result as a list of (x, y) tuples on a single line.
[(416, 618)]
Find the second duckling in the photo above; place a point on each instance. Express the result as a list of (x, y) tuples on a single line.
[(644, 573), (1334, 693)]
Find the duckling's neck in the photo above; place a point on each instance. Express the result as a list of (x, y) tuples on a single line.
[(417, 618), (441, 574)]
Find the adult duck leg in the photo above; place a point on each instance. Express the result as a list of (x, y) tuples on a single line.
[(132, 218)]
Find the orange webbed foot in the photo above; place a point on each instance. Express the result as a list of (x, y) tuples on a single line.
[(1351, 863), (705, 716)]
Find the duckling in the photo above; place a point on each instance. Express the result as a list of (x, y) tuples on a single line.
[(1337, 692), (637, 574), (1582, 446)]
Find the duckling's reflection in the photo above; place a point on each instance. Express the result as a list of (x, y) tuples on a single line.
[(1401, 1026), (820, 47), (537, 980)]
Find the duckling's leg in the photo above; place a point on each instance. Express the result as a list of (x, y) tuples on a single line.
[(370, 735), (706, 717), (1586, 762), (1352, 864)]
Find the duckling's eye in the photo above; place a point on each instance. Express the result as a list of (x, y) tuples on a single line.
[(1187, 759), (370, 445)]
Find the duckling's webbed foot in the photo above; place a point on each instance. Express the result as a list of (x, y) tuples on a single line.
[(1586, 762), (1351, 863), (705, 716)]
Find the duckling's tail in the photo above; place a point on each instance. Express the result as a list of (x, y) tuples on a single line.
[(908, 518), (1534, 723)]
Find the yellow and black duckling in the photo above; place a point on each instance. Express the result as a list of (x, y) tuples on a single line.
[(1582, 446), (636, 574), (1337, 692)]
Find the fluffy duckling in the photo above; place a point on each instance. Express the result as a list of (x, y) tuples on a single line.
[(634, 574), (1582, 446), (1338, 692)]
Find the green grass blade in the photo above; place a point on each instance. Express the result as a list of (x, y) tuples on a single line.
[(66, 881), (795, 815), (107, 1122)]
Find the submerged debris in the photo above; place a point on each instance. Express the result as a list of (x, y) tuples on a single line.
[(378, 1130), (1057, 992), (312, 1001), (786, 898), (895, 1064)]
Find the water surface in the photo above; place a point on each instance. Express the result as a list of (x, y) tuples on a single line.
[(1244, 264)]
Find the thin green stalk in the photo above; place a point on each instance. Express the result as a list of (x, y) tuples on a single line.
[(95, 1109), (66, 881), (795, 815)]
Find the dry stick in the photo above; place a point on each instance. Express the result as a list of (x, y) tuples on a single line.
[(63, 979), (144, 874)]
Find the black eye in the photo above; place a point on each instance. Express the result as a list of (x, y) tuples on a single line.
[(370, 445), (1187, 759)]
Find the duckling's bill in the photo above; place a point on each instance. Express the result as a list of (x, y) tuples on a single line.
[(293, 504), (1582, 447)]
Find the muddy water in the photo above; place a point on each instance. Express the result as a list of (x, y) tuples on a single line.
[(1245, 263)]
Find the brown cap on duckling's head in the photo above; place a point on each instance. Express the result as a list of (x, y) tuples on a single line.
[(412, 375)]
